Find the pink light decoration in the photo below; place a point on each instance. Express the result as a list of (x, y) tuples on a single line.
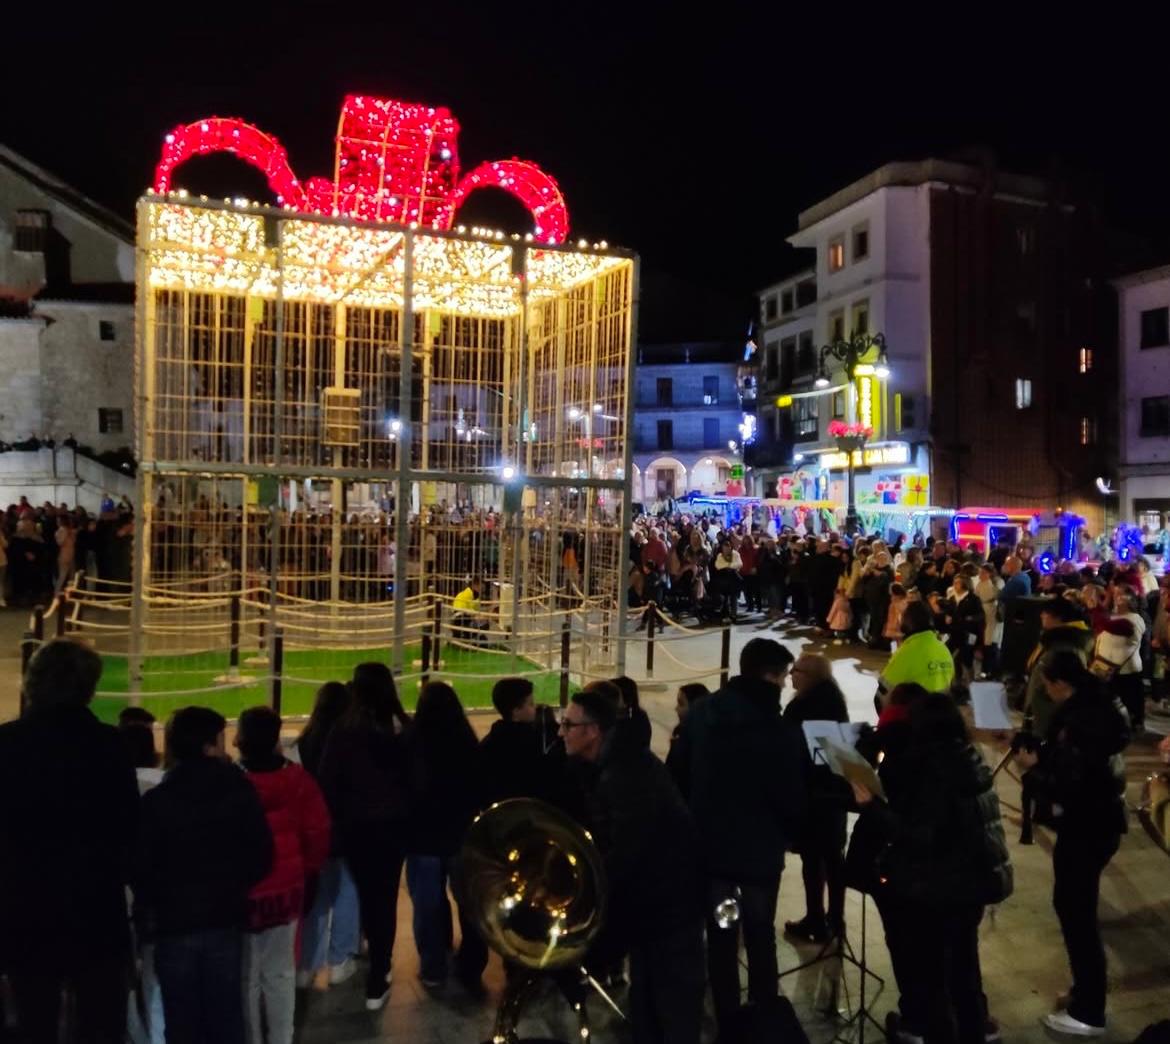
[(394, 161)]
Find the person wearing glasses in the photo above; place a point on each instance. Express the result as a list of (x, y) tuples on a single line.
[(650, 846)]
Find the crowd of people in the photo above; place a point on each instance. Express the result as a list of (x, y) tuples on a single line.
[(857, 591), (180, 896), (184, 896), (41, 548)]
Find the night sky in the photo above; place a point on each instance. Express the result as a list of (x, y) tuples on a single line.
[(694, 140)]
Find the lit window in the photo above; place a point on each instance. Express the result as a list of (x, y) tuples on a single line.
[(1086, 360), (837, 254), (1023, 393), (1088, 431)]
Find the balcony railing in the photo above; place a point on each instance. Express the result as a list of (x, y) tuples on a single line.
[(652, 445), (702, 403)]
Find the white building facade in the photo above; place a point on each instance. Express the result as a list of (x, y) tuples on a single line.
[(871, 276), (1144, 408), (66, 313)]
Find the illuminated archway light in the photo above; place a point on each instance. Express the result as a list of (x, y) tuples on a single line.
[(394, 161)]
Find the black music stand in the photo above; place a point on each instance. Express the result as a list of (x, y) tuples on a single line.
[(840, 949)]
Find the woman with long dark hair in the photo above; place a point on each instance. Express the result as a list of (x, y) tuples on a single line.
[(1078, 780), (445, 769), (330, 936), (935, 855), (364, 773)]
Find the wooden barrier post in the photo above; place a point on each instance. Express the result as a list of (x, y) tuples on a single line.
[(651, 620), (437, 624), (426, 658), (277, 667), (39, 623), (566, 637), (725, 657), (62, 613)]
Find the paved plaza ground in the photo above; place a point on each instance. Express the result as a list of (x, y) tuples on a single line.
[(1024, 965)]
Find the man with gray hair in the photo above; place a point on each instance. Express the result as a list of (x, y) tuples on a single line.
[(68, 829)]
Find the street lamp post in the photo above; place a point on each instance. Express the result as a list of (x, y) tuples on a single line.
[(851, 353)]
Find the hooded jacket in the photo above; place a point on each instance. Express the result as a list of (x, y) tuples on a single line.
[(1071, 637), (921, 658), (745, 770), (205, 842), (300, 826), (944, 837)]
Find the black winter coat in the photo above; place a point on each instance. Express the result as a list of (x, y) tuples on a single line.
[(513, 764), (445, 795), (745, 769), (66, 839), (365, 776), (829, 795), (649, 842), (942, 838), (205, 842), (1081, 770)]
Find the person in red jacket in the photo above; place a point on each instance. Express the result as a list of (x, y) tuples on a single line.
[(299, 821)]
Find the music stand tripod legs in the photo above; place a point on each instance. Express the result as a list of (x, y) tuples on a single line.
[(840, 950)]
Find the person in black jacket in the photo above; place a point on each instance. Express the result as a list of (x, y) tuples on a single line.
[(204, 843), (648, 840), (1079, 778), (822, 846), (688, 696), (746, 772), (631, 708), (965, 623), (66, 836), (445, 755), (512, 758), (366, 780), (940, 856)]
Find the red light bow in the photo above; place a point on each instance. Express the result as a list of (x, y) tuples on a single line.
[(394, 161)]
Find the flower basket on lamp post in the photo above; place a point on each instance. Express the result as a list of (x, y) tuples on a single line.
[(849, 438)]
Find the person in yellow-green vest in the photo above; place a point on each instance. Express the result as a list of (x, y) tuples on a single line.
[(468, 621), (922, 658)]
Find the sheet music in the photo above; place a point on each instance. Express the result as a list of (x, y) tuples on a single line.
[(989, 707), (845, 761), (841, 732)]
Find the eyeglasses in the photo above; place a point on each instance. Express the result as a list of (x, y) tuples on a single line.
[(565, 723)]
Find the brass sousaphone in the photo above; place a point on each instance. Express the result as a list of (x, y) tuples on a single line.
[(1153, 810), (534, 883)]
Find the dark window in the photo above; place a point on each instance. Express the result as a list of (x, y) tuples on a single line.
[(772, 362), (1026, 320), (785, 302), (839, 406), (806, 361), (908, 419), (837, 326), (787, 361), (109, 421), (710, 432), (806, 293), (106, 330), (31, 231), (1155, 327), (710, 391), (860, 244), (805, 418), (770, 307), (665, 391), (1156, 416), (666, 435)]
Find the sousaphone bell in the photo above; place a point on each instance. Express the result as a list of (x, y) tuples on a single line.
[(534, 884)]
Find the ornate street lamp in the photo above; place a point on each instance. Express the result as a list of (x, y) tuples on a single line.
[(852, 436)]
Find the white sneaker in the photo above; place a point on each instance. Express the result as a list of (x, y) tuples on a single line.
[(377, 1003), (338, 973), (1063, 1022), (305, 979)]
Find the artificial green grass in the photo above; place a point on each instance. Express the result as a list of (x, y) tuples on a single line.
[(304, 672)]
